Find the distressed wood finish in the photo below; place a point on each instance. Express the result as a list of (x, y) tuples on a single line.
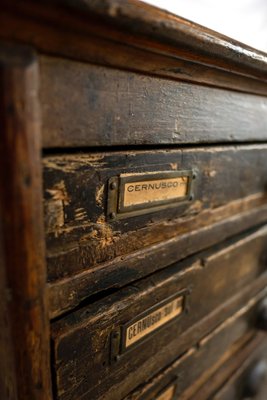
[(79, 234), (114, 382), (25, 328), (151, 41), (157, 24), (212, 377), (87, 105), (67, 293), (81, 240), (125, 88), (236, 388), (226, 271)]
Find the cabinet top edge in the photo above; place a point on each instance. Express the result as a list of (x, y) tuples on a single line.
[(131, 24)]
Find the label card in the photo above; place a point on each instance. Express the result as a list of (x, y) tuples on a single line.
[(153, 320)]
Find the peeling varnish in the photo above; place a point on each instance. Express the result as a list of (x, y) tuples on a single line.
[(212, 173), (99, 196), (174, 166), (107, 236), (206, 216), (59, 192), (80, 214), (54, 207), (72, 163)]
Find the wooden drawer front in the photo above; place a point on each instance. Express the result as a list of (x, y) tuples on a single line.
[(85, 105), (230, 183), (80, 375), (202, 375), (133, 333), (250, 380)]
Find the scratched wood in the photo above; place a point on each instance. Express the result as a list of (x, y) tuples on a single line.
[(65, 294), (79, 236), (87, 105), (213, 277), (78, 344), (121, 73)]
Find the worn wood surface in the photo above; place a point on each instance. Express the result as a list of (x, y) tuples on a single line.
[(81, 240), (79, 236), (87, 105), (75, 343), (144, 39), (67, 293), (154, 23), (236, 387), (8, 381), (138, 58), (226, 271), (23, 295), (211, 378)]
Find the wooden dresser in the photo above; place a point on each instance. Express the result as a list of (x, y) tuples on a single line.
[(133, 206)]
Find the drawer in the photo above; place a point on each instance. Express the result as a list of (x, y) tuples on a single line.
[(250, 380), (207, 373), (86, 105), (112, 218), (131, 334), (123, 377)]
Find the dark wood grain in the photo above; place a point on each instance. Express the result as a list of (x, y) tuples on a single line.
[(79, 236), (171, 30), (86, 105), (69, 292), (85, 334), (113, 382), (144, 39), (121, 73), (235, 387), (212, 377), (22, 237)]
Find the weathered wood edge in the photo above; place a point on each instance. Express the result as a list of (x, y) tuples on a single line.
[(86, 105), (171, 30), (22, 234), (135, 37), (208, 383), (210, 380), (199, 334), (243, 361), (68, 293)]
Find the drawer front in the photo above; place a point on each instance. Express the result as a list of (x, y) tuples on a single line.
[(250, 380), (202, 375), (139, 329), (86, 105), (106, 212), (82, 379)]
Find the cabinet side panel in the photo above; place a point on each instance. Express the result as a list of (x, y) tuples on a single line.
[(23, 260)]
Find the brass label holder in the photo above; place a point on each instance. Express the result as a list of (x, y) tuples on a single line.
[(136, 194), (145, 325)]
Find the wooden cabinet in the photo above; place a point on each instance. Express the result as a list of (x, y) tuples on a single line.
[(133, 205), (130, 335)]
